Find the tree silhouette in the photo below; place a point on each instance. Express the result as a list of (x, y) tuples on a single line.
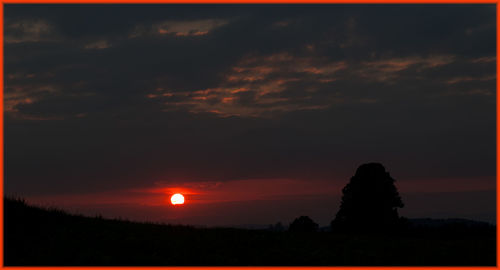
[(370, 201), (303, 224), (278, 227)]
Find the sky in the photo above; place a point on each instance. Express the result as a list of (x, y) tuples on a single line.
[(257, 113)]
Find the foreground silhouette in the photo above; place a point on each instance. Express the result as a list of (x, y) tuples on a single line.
[(303, 224), (369, 201), (41, 237)]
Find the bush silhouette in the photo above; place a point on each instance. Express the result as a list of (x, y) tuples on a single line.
[(370, 201), (278, 227), (303, 224)]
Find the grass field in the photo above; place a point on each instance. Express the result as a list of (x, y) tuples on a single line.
[(35, 236)]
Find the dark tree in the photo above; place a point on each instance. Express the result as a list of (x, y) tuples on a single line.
[(278, 227), (370, 201), (303, 224)]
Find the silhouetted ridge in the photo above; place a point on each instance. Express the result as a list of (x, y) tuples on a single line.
[(50, 237)]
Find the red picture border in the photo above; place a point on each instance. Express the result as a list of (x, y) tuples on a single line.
[(3, 2)]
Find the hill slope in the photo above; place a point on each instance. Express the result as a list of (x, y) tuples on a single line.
[(35, 236)]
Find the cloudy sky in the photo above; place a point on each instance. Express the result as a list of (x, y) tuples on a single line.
[(257, 113)]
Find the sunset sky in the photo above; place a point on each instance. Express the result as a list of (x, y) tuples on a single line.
[(256, 113)]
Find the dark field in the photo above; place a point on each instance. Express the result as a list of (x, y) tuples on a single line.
[(35, 236)]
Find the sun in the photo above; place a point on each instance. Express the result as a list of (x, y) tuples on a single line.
[(177, 198)]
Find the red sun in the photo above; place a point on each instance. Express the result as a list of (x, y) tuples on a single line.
[(176, 199)]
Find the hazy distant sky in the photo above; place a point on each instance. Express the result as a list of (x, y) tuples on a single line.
[(257, 113)]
